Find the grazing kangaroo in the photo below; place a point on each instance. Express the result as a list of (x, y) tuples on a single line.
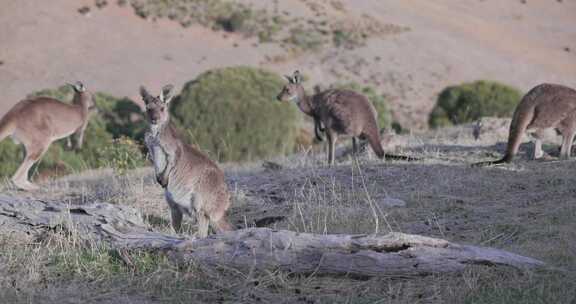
[(191, 181), (39, 121), (338, 112), (546, 106)]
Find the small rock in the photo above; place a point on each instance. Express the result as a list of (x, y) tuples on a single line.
[(101, 3), (271, 166), (393, 202), (85, 10)]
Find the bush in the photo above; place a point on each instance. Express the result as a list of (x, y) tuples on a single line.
[(115, 118), (10, 157), (232, 113), (471, 101), (122, 154), (305, 40), (378, 100)]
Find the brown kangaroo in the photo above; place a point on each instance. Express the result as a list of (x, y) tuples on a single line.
[(39, 121), (338, 112), (546, 106), (191, 181)]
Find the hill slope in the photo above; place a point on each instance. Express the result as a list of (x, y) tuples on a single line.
[(45, 44)]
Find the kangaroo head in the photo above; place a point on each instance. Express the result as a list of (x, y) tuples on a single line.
[(157, 107), (293, 90), (82, 96)]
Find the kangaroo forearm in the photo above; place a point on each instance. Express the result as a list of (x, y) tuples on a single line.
[(79, 137), (162, 179), (317, 132), (318, 129)]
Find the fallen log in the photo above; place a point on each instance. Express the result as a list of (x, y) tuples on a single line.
[(34, 217), (393, 254)]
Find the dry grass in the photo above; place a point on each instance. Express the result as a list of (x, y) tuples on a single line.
[(527, 208)]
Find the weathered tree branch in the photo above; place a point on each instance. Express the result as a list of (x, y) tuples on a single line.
[(394, 254)]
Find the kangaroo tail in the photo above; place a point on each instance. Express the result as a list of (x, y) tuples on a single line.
[(4, 129), (506, 159), (374, 141), (521, 119), (400, 157)]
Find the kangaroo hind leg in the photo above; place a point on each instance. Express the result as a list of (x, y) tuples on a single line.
[(33, 153), (332, 137), (567, 139), (538, 152), (203, 223)]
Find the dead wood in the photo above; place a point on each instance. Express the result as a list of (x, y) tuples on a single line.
[(393, 254)]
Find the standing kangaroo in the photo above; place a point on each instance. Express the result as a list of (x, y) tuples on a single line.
[(191, 181), (546, 106), (337, 112), (39, 121)]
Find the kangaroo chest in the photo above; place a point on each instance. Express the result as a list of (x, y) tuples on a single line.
[(159, 157)]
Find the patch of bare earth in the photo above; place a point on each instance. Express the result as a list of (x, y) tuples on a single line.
[(112, 50)]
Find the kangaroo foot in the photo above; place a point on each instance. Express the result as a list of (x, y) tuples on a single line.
[(25, 185)]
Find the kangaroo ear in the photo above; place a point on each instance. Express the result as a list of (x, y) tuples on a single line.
[(78, 86), (165, 94), (145, 95), (297, 78), (289, 78)]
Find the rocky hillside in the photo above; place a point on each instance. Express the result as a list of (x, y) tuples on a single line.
[(408, 50)]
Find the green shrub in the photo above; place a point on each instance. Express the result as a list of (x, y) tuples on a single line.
[(236, 21), (377, 99), (296, 33), (232, 113), (115, 118), (305, 40), (10, 157), (122, 154), (471, 101)]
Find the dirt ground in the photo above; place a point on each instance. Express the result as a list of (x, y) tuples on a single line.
[(45, 44)]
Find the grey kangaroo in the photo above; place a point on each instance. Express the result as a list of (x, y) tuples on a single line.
[(191, 181), (338, 112), (37, 122), (546, 106)]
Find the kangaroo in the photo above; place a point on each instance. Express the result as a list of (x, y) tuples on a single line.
[(337, 112), (191, 181), (37, 122), (546, 106), (477, 129)]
